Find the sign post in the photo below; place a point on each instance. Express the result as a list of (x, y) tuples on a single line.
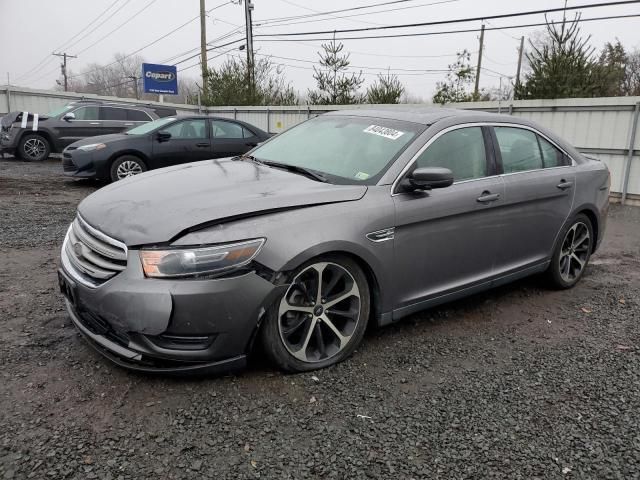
[(160, 79)]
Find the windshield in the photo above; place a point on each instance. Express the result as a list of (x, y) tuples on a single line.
[(148, 127), (59, 111), (347, 149)]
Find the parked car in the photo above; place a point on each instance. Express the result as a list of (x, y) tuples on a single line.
[(351, 218), (36, 136), (161, 143)]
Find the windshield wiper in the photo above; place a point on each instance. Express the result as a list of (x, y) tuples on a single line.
[(307, 172)]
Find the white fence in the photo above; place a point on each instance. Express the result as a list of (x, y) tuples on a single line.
[(600, 127)]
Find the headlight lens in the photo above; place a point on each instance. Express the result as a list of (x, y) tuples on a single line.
[(93, 146), (196, 262)]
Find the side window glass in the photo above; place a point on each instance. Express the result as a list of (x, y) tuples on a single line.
[(111, 113), (188, 129), (86, 113), (461, 151), (519, 149), (551, 156), (137, 116), (222, 129), (247, 133)]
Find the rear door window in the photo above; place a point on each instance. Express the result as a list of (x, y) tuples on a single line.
[(462, 151), (111, 113), (86, 113), (137, 116), (519, 149), (227, 130), (551, 155)]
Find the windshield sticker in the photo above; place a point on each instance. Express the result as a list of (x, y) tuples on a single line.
[(385, 132), (361, 176)]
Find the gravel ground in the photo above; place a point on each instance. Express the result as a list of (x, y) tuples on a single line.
[(519, 382)]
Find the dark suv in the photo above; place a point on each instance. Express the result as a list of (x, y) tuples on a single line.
[(36, 136)]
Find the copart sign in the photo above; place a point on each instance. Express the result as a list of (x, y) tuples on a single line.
[(160, 79)]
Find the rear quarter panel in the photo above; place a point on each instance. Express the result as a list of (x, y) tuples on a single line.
[(592, 192)]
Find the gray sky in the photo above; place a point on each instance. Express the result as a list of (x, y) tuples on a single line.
[(30, 29)]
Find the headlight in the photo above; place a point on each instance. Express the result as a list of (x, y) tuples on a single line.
[(194, 262), (93, 146)]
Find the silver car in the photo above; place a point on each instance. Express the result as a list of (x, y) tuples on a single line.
[(350, 219)]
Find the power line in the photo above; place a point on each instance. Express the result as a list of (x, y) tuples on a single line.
[(331, 17), (447, 32), (458, 20), (119, 26), (99, 25), (209, 49), (347, 17), (208, 58), (150, 43), (47, 59)]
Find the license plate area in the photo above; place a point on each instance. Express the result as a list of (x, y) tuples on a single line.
[(67, 288)]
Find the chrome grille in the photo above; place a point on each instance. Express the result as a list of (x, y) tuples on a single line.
[(92, 256)]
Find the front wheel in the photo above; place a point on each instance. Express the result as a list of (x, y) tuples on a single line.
[(126, 166), (34, 148), (321, 318), (572, 253)]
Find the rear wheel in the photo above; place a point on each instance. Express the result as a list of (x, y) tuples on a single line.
[(126, 166), (572, 253), (321, 318), (34, 148)]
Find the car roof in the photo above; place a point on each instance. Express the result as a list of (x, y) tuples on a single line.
[(421, 115)]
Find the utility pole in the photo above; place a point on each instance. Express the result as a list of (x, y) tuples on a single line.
[(248, 8), (64, 67), (203, 47), (520, 54), (476, 90)]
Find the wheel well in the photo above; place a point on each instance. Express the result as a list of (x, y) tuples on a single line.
[(132, 153), (594, 223), (43, 134)]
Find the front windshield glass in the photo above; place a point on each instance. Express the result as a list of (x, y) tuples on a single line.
[(148, 127), (347, 149), (59, 111)]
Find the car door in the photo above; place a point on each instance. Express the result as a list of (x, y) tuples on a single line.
[(114, 120), (231, 138), (539, 186), (189, 142), (85, 124), (446, 239)]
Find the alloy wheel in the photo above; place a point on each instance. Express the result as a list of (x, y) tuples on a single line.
[(576, 247), (319, 312), (34, 148), (128, 168)]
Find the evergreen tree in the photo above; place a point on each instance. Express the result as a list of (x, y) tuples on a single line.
[(386, 89), (460, 79), (335, 85)]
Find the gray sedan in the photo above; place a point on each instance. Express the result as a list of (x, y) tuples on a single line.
[(350, 219)]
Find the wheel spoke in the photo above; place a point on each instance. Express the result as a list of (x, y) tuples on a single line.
[(297, 308), (334, 329), (340, 298), (302, 352), (578, 259), (322, 348), (332, 284), (293, 328), (319, 268), (584, 237), (567, 266)]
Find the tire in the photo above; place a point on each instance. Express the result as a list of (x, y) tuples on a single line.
[(33, 148), (296, 317), (575, 250), (126, 166)]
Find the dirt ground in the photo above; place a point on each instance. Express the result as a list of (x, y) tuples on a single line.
[(518, 382)]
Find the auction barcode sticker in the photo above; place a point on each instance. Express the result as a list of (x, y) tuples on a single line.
[(385, 132)]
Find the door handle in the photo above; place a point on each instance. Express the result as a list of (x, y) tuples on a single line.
[(94, 123), (563, 185), (202, 145), (488, 197)]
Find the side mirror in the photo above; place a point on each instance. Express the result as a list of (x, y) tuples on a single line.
[(69, 116), (428, 178), (164, 136)]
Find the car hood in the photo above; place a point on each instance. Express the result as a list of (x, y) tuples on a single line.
[(106, 139), (158, 206)]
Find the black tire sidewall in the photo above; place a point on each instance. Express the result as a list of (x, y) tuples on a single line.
[(270, 334), (116, 163), (554, 267), (23, 156)]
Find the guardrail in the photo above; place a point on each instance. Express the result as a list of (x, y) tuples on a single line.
[(605, 128)]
